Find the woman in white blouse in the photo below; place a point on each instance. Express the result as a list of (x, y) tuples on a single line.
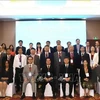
[(93, 64)]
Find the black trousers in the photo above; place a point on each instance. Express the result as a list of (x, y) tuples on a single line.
[(64, 87), (19, 78), (52, 85)]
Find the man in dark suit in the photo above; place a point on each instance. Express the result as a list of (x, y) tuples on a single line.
[(48, 75), (58, 61), (77, 46), (75, 63), (45, 55), (58, 42), (84, 56), (66, 75), (67, 49), (50, 48), (20, 46), (36, 59), (30, 47), (87, 48), (8, 57)]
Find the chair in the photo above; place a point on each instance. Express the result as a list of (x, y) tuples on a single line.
[(29, 90), (10, 91), (48, 91), (82, 91), (67, 90)]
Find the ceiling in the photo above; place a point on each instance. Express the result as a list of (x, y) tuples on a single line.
[(49, 9)]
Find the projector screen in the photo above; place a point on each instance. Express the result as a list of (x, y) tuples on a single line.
[(41, 31)]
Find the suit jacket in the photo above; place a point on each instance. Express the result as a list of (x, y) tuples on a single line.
[(45, 71), (9, 74), (28, 51), (23, 48), (66, 51), (75, 48), (69, 71), (37, 62), (43, 59), (51, 50), (55, 48), (89, 50), (95, 59), (26, 71), (1, 56), (16, 62), (85, 57), (56, 62), (82, 73), (76, 60), (10, 60), (98, 54)]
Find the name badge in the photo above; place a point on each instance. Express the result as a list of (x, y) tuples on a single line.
[(87, 74), (66, 75), (81, 62), (48, 73), (30, 74), (59, 60), (92, 62), (20, 64), (71, 61)]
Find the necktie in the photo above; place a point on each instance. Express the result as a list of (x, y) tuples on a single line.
[(46, 55), (77, 48), (30, 67), (59, 55), (48, 67), (71, 55), (20, 58)]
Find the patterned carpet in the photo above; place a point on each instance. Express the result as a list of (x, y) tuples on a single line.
[(17, 97)]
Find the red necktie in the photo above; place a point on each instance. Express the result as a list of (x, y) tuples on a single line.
[(30, 68), (71, 55), (20, 58)]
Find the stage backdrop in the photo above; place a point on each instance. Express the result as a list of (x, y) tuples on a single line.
[(41, 31)]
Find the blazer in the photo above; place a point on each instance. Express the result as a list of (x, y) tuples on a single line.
[(51, 50), (75, 48), (9, 74), (56, 62), (70, 71), (76, 60), (89, 50), (16, 62), (95, 59), (66, 51), (85, 57), (55, 48), (23, 48), (45, 71), (43, 59), (28, 51), (10, 60), (26, 71), (82, 73)]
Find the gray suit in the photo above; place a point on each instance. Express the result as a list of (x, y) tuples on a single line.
[(30, 79), (57, 66)]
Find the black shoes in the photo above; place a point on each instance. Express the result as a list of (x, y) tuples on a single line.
[(70, 96), (23, 96), (42, 97)]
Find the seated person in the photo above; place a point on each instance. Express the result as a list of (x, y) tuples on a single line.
[(85, 74), (48, 73), (30, 73), (6, 78), (66, 74)]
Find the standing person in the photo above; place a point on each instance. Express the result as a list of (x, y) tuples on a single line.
[(29, 75), (36, 59), (93, 64), (77, 46), (4, 47), (20, 61), (21, 46), (50, 48), (30, 47), (67, 49), (58, 42), (58, 62), (38, 48), (12, 52), (87, 48), (6, 77), (85, 74)]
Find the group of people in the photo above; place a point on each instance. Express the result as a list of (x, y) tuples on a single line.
[(74, 64)]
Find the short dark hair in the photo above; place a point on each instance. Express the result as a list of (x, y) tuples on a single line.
[(48, 41), (20, 48), (48, 58), (30, 43), (38, 43), (20, 41), (46, 45), (29, 57), (77, 39), (66, 57), (68, 42), (8, 49), (33, 49)]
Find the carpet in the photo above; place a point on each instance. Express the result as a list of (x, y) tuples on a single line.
[(17, 97)]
